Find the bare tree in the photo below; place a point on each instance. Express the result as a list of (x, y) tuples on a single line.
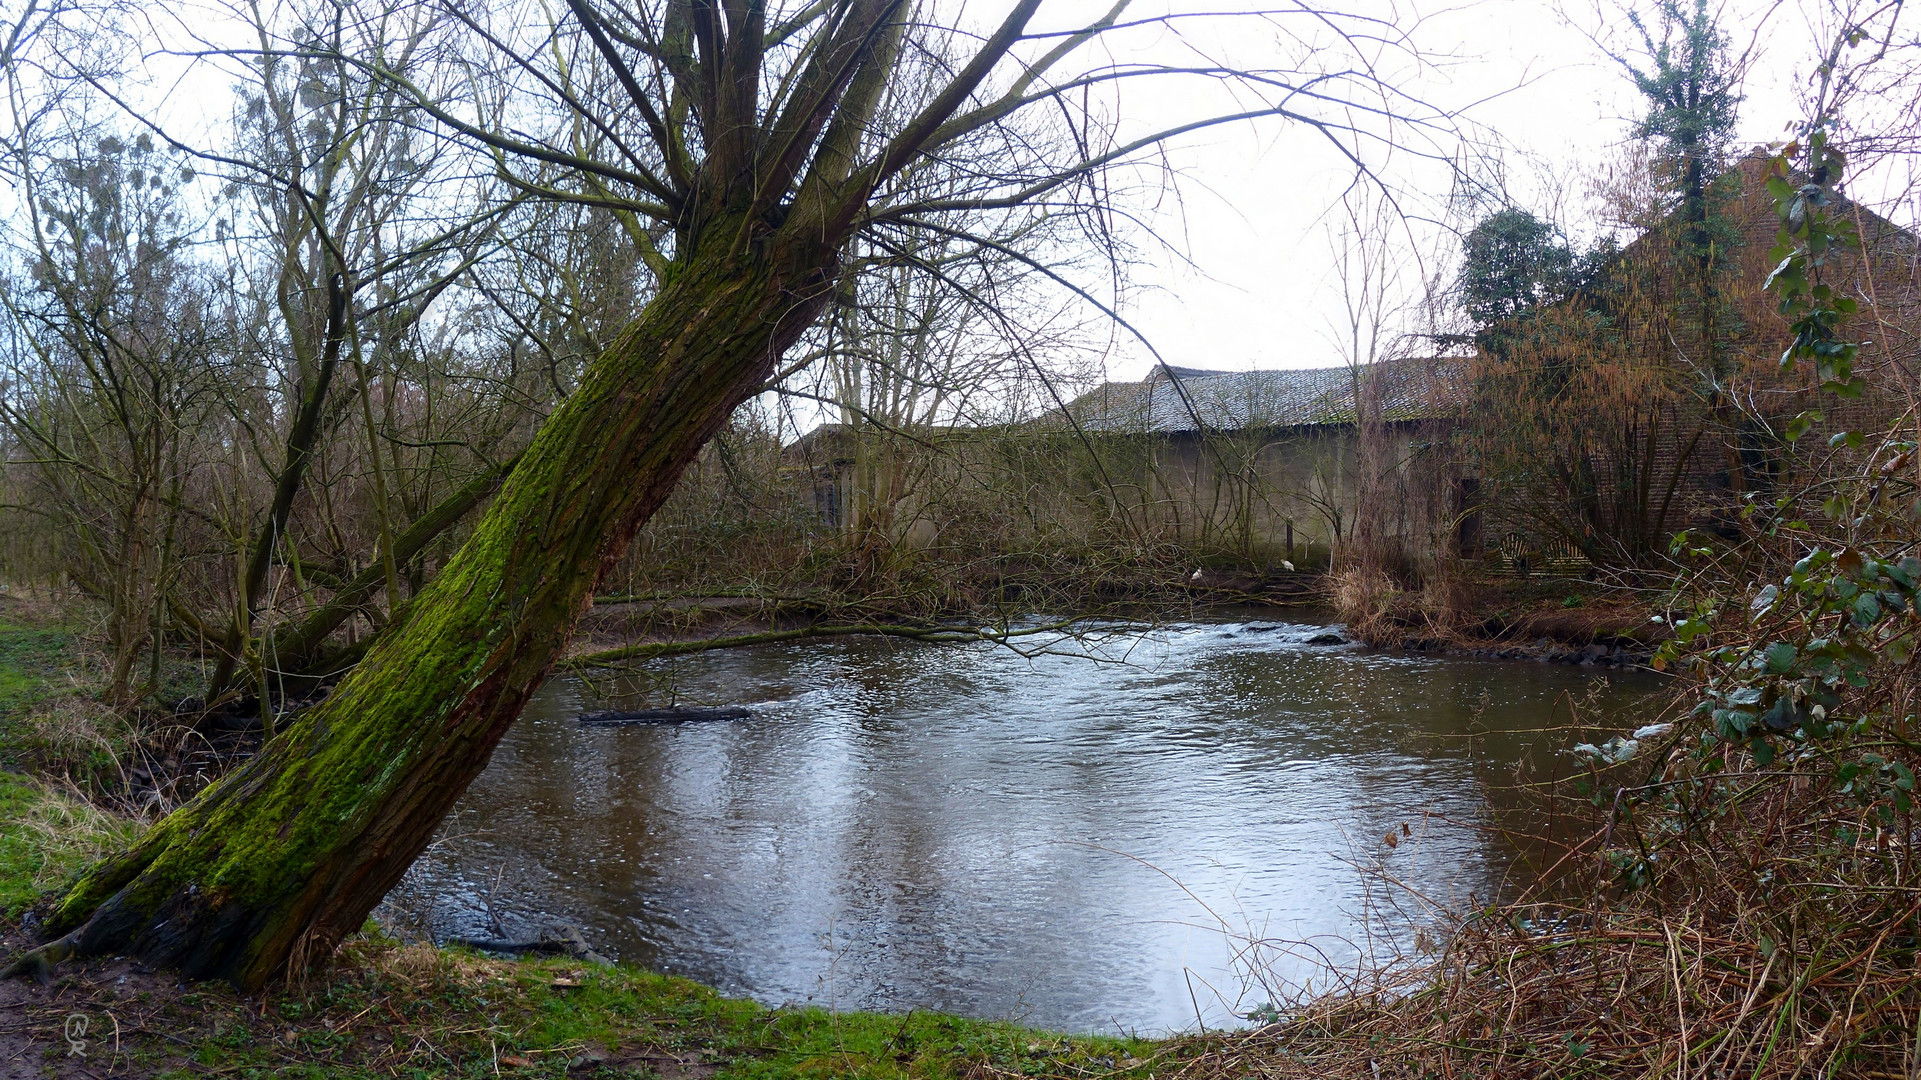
[(111, 370), (746, 146), (329, 179), (1373, 268)]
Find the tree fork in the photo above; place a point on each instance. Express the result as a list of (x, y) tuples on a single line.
[(299, 649), (277, 862), (301, 441)]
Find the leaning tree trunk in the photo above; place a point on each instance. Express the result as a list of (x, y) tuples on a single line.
[(285, 856)]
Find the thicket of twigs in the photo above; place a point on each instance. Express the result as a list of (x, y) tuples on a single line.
[(253, 389), (1741, 899), (936, 523)]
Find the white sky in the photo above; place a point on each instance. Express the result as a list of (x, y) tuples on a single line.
[(1256, 288), (1260, 293)]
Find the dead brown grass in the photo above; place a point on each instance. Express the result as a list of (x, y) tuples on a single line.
[(1366, 599), (35, 605), (1756, 924), (1583, 625)]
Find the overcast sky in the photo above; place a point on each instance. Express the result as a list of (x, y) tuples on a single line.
[(1247, 279), (1260, 292)]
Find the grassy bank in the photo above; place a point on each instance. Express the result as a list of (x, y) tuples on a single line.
[(385, 1009), (37, 655), (388, 1010), (46, 836)]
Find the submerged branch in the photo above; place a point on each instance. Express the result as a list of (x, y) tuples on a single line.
[(945, 634)]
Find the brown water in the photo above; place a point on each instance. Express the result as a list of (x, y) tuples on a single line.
[(1176, 826)]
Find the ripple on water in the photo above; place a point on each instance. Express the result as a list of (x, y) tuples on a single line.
[(1061, 838)]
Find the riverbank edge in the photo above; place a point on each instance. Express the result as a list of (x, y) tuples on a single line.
[(385, 1009), (452, 1012), (1548, 620)]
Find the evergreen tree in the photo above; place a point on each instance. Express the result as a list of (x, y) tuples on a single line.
[(1692, 87), (1512, 262), (1691, 84)]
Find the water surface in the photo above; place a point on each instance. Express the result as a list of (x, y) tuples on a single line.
[(1083, 844)]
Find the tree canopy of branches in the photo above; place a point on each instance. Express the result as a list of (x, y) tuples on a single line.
[(748, 156)]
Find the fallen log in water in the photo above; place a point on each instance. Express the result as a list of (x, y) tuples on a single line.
[(538, 947), (679, 715), (561, 941), (941, 633)]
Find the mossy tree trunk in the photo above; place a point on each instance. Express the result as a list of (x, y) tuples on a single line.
[(771, 147), (288, 854)]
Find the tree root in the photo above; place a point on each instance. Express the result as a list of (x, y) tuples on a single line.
[(40, 962)]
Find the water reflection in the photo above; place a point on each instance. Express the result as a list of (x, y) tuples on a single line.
[(966, 829)]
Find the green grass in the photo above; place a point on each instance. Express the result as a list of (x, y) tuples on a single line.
[(52, 722), (32, 661), (412, 1011), (47, 837), (35, 663)]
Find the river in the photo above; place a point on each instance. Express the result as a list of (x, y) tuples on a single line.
[(1143, 832)]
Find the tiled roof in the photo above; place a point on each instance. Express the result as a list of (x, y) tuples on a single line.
[(1229, 401)]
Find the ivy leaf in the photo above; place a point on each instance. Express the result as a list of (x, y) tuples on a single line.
[(1786, 265), (1902, 573), (1903, 776)]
